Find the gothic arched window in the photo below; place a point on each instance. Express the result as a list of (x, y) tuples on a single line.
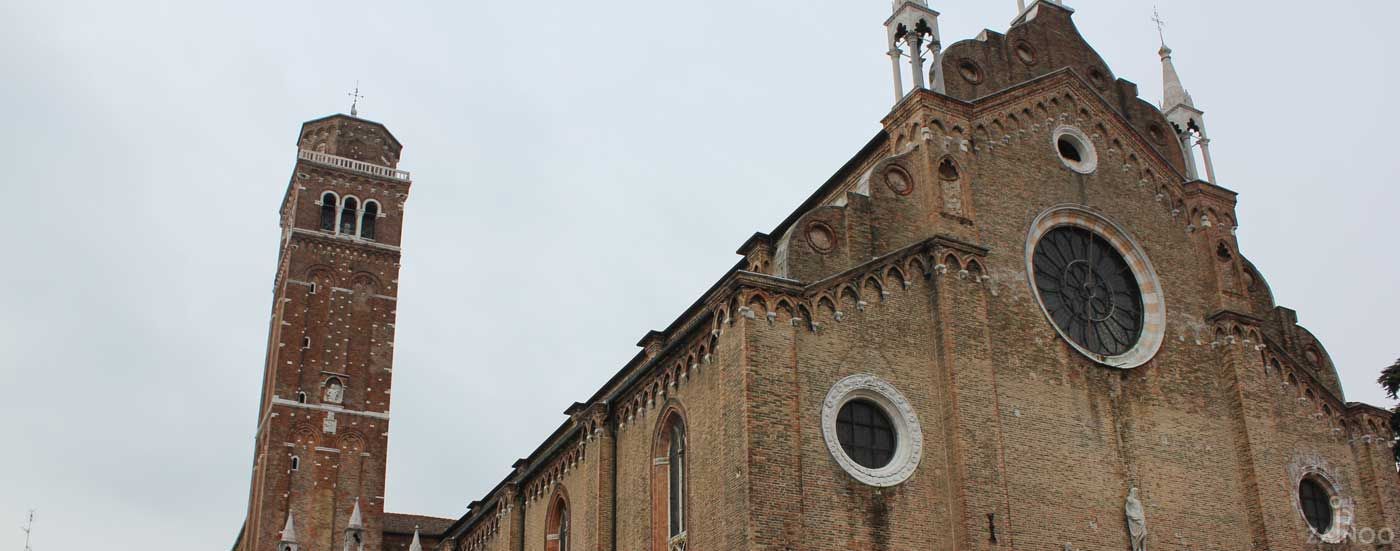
[(670, 484), (368, 219), (328, 206), (557, 537), (349, 207)]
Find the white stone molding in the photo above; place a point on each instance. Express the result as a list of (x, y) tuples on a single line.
[(909, 446), (1089, 156)]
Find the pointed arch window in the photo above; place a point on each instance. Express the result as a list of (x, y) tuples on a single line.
[(557, 536), (329, 202), (670, 484), (349, 208), (368, 219)]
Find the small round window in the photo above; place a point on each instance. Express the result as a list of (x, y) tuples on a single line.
[(1316, 503), (872, 431), (1075, 149)]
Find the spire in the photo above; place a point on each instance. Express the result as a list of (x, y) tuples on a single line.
[(356, 522), (289, 532), (1173, 93), (289, 536), (1180, 110), (415, 545)]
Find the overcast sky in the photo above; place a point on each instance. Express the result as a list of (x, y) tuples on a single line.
[(582, 172)]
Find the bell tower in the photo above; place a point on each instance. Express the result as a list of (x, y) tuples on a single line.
[(323, 420)]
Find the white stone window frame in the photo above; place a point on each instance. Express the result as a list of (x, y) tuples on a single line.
[(909, 437), (1089, 155), (1343, 510), (1154, 305)]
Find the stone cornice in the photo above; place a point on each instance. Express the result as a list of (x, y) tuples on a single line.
[(357, 245)]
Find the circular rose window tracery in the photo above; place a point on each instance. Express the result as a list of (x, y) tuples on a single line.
[(1089, 290), (1095, 286)]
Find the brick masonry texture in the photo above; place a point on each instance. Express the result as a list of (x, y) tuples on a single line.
[(908, 265)]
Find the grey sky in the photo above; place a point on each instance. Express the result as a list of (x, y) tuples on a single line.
[(583, 170)]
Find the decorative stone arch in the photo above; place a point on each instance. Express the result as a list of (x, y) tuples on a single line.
[(349, 204), (370, 213), (670, 478), (872, 289), (329, 201), (849, 297), (895, 276), (558, 531)]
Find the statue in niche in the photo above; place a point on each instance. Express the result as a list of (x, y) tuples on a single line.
[(335, 392), (1137, 522)]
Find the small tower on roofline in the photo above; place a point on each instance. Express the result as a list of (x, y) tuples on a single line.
[(912, 30), (1181, 111)]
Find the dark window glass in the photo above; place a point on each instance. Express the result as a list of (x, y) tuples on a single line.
[(866, 434), (1089, 290), (347, 216), (563, 529), (1317, 505), (676, 471), (328, 211), (1068, 150), (367, 221)]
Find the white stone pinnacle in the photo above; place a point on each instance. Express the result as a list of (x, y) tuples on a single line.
[(289, 532)]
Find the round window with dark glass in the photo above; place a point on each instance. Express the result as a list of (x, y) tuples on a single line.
[(1088, 290), (1317, 505), (866, 434)]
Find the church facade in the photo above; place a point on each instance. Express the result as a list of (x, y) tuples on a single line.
[(1018, 318)]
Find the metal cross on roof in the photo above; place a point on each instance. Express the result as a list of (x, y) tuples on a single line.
[(1161, 24), (355, 100)]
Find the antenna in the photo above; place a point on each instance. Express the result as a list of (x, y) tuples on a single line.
[(28, 527), (355, 101), (1161, 25)]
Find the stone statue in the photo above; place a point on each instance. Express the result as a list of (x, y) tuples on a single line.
[(1137, 523), (335, 393)]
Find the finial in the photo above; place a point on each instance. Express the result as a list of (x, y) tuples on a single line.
[(289, 532), (416, 544), (355, 101), (355, 521)]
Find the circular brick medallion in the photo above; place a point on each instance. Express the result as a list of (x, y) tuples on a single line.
[(970, 71), (899, 181), (821, 237), (1025, 53), (909, 437), (1147, 339)]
